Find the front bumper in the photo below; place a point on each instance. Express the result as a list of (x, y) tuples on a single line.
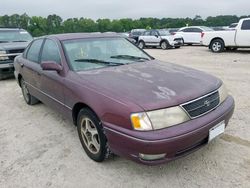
[(175, 141)]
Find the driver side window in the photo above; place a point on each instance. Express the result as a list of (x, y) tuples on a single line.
[(51, 52)]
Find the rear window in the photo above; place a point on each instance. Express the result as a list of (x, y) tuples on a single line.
[(246, 25)]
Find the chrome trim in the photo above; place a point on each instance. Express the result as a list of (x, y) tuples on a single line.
[(197, 100), (7, 55), (49, 96)]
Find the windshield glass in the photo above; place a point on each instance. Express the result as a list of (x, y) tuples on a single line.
[(15, 36), (164, 32), (88, 54)]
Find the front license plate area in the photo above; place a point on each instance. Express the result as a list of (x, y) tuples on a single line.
[(216, 130)]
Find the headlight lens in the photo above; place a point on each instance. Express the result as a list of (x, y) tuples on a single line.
[(2, 55), (141, 122), (223, 92), (167, 117), (158, 119)]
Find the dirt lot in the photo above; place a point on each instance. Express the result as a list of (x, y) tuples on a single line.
[(39, 148)]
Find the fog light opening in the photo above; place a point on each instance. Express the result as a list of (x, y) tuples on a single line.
[(148, 157)]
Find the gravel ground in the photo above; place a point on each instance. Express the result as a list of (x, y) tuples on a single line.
[(39, 148)]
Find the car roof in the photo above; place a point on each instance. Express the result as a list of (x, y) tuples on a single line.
[(72, 36)]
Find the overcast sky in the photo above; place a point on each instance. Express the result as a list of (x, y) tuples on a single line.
[(115, 9)]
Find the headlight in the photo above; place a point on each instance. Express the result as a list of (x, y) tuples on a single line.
[(159, 119), (167, 117), (141, 122), (3, 55), (223, 93)]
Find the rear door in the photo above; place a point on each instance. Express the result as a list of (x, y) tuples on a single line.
[(191, 35), (155, 38), (243, 34), (30, 67), (52, 81)]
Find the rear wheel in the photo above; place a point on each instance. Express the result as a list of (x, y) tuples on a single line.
[(141, 44), (91, 135), (29, 99), (217, 46)]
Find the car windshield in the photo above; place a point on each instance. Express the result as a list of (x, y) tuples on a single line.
[(88, 54), (15, 36), (164, 32)]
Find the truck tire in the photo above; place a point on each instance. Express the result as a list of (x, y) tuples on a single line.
[(217, 46)]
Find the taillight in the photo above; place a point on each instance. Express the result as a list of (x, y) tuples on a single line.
[(202, 35), (173, 33)]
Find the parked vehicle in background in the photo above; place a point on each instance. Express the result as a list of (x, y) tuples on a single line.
[(192, 35), (219, 28), (159, 38), (173, 30), (135, 33), (232, 26), (231, 40), (13, 41), (121, 99)]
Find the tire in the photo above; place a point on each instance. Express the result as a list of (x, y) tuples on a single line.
[(182, 40), (141, 44), (164, 45), (91, 135), (217, 46), (177, 47), (29, 99)]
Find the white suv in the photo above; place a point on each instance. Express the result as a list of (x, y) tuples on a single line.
[(159, 38)]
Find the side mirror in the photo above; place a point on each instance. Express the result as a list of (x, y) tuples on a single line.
[(51, 66), (156, 36)]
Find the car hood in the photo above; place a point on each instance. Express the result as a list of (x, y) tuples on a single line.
[(151, 85), (13, 45)]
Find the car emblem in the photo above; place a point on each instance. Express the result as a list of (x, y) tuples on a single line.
[(207, 103)]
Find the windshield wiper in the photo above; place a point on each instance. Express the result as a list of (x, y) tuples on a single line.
[(98, 61), (2, 41), (129, 57)]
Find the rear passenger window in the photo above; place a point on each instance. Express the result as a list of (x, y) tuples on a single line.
[(188, 30), (246, 25), (34, 50), (50, 52)]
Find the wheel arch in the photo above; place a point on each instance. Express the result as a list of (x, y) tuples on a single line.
[(216, 38), (19, 77), (76, 109)]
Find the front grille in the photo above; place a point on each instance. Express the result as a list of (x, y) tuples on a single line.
[(16, 51), (178, 39), (203, 105)]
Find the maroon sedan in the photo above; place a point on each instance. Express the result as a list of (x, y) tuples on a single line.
[(121, 99)]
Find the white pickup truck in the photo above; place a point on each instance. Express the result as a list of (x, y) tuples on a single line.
[(218, 41)]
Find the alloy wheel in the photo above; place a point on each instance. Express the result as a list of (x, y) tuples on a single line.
[(90, 135)]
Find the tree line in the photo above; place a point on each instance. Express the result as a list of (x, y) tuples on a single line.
[(54, 24)]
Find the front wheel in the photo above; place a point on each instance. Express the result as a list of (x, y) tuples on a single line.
[(217, 46), (91, 135), (164, 45), (141, 44)]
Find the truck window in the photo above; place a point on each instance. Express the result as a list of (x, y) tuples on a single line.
[(245, 25)]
